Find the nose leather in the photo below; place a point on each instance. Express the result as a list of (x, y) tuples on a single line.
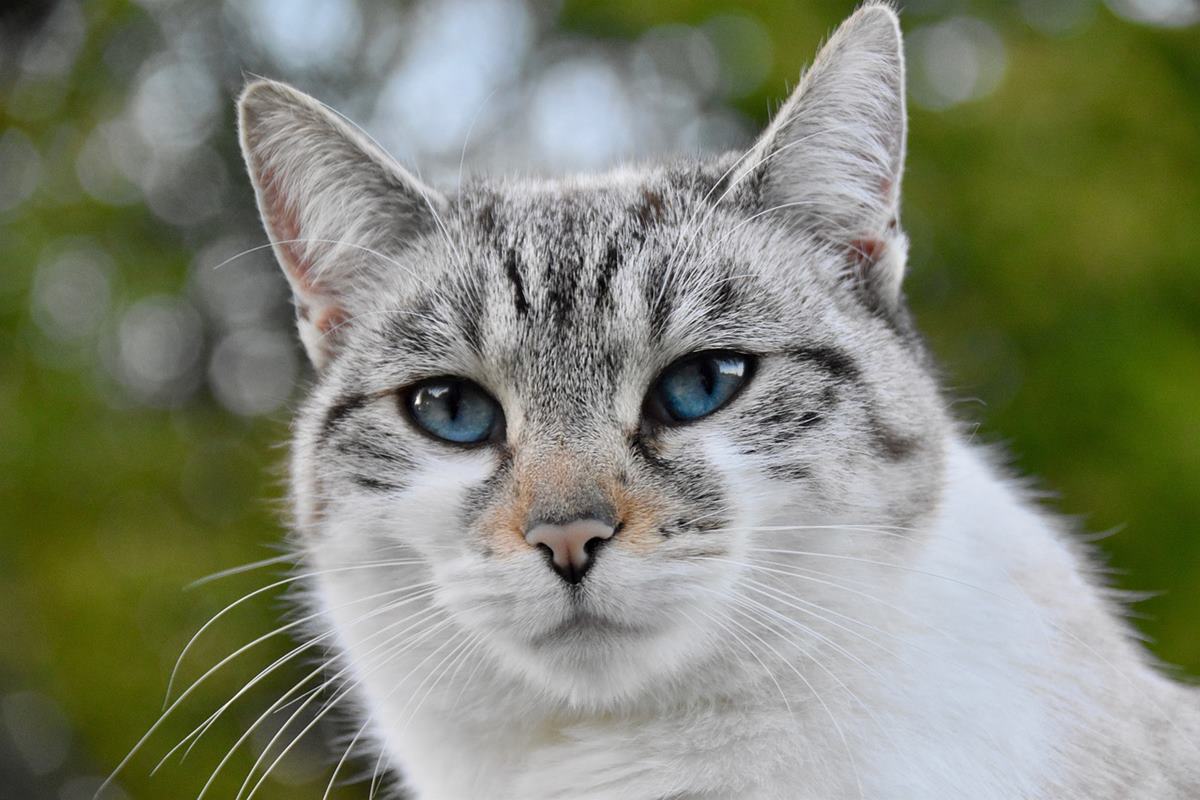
[(568, 544)]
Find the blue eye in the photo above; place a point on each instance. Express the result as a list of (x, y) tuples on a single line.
[(454, 409), (697, 385)]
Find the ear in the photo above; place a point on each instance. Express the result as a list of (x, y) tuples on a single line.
[(832, 159), (337, 208)]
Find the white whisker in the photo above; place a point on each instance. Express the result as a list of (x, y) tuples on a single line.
[(423, 616), (262, 590)]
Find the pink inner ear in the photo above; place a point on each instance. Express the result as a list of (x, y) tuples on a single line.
[(285, 226), (864, 253), (316, 309), (330, 319)]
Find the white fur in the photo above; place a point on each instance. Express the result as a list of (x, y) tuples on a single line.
[(1006, 676)]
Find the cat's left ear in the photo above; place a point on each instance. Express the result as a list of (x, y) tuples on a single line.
[(337, 208), (830, 163)]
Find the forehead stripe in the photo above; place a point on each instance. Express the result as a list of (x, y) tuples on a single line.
[(613, 258), (513, 271)]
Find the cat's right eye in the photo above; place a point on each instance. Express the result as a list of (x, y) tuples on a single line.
[(698, 385), (454, 410)]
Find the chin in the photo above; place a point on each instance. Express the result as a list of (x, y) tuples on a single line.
[(597, 663)]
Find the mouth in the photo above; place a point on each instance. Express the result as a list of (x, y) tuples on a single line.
[(584, 627)]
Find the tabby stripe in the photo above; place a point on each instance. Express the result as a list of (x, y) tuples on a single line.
[(512, 270), (894, 445), (368, 450), (833, 361), (613, 258), (341, 409), (374, 484)]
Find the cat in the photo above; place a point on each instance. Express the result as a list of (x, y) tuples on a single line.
[(641, 485)]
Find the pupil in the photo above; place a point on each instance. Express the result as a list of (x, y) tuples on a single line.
[(708, 376), (453, 404)]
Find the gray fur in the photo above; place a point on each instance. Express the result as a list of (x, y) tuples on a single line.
[(565, 299)]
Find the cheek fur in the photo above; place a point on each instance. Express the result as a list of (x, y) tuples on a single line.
[(641, 515), (737, 475), (502, 526), (430, 508)]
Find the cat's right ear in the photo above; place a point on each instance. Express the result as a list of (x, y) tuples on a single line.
[(336, 207), (831, 161)]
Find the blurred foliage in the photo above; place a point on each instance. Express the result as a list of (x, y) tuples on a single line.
[(1055, 226)]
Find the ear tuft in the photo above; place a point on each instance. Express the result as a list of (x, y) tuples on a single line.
[(831, 161), (336, 207)]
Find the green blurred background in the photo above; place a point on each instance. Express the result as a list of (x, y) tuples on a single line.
[(1052, 196)]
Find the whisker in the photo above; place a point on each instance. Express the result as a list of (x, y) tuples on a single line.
[(187, 692), (384, 312), (477, 640), (850, 693), (770, 674), (479, 662), (404, 711), (894, 531), (693, 230), (817, 695), (387, 607), (462, 158), (814, 632), (286, 558), (455, 653), (424, 615), (320, 714), (1028, 605), (420, 184), (335, 242), (262, 590), (886, 565), (800, 572)]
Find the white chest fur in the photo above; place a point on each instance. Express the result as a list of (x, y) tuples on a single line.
[(990, 667)]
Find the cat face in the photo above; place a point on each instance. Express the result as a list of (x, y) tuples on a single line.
[(564, 415)]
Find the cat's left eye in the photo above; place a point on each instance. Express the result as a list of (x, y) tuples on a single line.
[(454, 410), (697, 385)]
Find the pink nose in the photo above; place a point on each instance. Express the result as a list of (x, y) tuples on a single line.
[(570, 544)]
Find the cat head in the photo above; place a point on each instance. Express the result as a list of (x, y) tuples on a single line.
[(568, 411)]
